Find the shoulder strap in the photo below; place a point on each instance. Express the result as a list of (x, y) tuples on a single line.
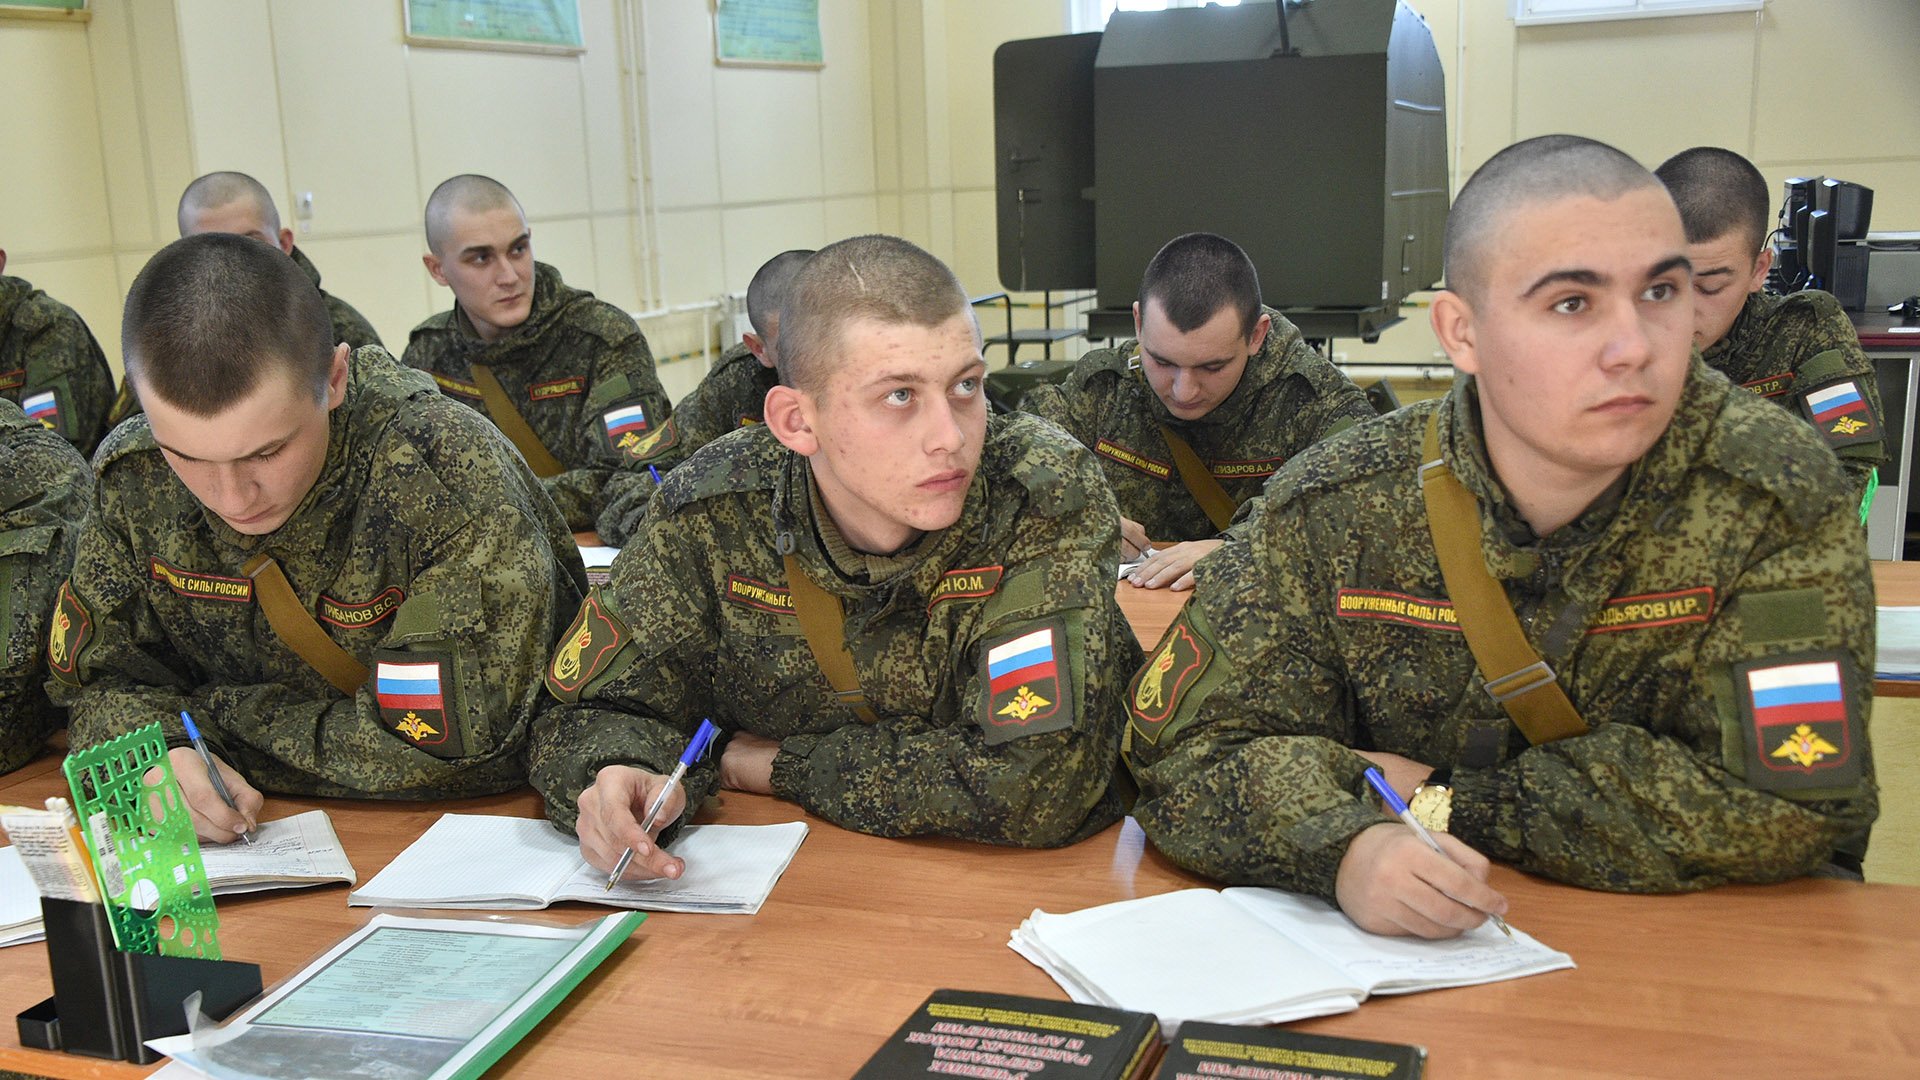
[(1514, 674), (1200, 483), (513, 425), (823, 621), (297, 630)]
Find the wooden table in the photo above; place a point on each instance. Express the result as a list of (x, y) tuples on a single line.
[(1808, 978)]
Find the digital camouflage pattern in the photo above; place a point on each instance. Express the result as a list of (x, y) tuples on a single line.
[(732, 396), (571, 364), (426, 550), (1729, 557), (698, 622), (45, 488), (51, 366), (1791, 347), (1289, 397), (348, 325)]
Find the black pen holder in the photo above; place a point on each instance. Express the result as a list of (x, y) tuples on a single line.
[(107, 1003)]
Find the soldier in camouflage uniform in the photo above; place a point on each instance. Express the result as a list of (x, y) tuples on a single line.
[(967, 573), (1678, 552), (1214, 368), (575, 370), (50, 364), (45, 488), (731, 396), (1799, 349), (412, 540)]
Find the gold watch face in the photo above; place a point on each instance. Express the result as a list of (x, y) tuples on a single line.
[(1432, 806)]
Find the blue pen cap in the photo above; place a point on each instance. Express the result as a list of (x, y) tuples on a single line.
[(193, 733), (1386, 791), (698, 746), (655, 473)]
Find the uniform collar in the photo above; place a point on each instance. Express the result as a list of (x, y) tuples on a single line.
[(306, 266), (550, 294), (1735, 341), (13, 292), (831, 562)]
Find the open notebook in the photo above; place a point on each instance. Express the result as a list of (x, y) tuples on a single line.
[(1255, 956), (517, 864)]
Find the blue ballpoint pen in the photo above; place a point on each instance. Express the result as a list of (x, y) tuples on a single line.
[(213, 774), (656, 475), (696, 747), (1399, 808)]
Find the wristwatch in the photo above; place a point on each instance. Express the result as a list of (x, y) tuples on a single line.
[(1432, 802)]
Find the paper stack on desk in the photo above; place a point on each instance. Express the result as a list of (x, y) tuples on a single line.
[(19, 902), (1254, 956), (518, 864)]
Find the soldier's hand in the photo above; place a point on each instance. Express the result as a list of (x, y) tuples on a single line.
[(1403, 774), (1391, 883), (747, 763), (1133, 539), (1172, 567), (611, 809), (213, 820)]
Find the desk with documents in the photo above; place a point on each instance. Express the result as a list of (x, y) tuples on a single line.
[(1806, 978)]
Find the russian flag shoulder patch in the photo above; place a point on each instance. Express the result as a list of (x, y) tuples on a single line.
[(412, 689), (1841, 412), (1799, 723), (1029, 688), (44, 406)]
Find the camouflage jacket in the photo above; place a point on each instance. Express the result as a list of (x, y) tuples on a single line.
[(44, 491), (993, 652), (578, 370), (1289, 398), (348, 325), (425, 550), (1728, 567), (733, 395), (51, 366), (1801, 350)]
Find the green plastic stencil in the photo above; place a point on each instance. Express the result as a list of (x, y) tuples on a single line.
[(141, 835)]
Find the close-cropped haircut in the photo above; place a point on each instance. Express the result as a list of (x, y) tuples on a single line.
[(883, 278), (217, 189), (467, 192), (1196, 276), (1536, 170), (767, 292), (209, 315), (1718, 192)]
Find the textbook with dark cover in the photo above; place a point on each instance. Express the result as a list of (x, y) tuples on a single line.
[(1204, 1051), (969, 1033)]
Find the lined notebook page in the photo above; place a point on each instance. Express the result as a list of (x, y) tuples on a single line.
[(730, 869), (298, 850), (476, 860)]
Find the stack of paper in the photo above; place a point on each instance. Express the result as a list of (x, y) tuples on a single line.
[(1254, 956), (517, 864), (1898, 640), (19, 901)]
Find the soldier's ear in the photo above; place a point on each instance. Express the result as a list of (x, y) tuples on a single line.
[(789, 415), (1452, 319), (432, 263)]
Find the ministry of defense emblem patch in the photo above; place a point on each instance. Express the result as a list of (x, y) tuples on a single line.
[(1841, 413), (1797, 723), (1179, 661), (412, 689), (44, 407), (1026, 691)]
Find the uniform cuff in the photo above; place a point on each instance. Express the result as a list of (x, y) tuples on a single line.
[(1322, 843), (1486, 811), (790, 766)]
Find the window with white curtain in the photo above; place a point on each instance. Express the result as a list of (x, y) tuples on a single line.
[(1548, 12)]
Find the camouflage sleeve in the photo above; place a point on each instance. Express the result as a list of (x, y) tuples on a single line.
[(1068, 405), (1693, 799), (624, 378), (1032, 747), (63, 357), (1835, 387), (45, 487), (697, 420), (350, 326), (476, 623), (632, 671), (1332, 411)]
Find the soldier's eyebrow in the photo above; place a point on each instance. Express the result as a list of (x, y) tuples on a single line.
[(261, 452), (1670, 264), (1158, 359), (482, 249), (1589, 278)]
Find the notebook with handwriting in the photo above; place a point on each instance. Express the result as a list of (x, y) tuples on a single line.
[(518, 864), (286, 853)]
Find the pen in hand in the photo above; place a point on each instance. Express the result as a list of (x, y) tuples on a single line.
[(1399, 808), (696, 747), (213, 774)]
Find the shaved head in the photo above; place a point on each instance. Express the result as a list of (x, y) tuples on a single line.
[(1539, 170), (880, 278), (218, 189), (1718, 193), (468, 193), (767, 292)]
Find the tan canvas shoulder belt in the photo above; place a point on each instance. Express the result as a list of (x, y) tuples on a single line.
[(1515, 675), (1200, 482), (513, 425), (296, 628), (823, 621)]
